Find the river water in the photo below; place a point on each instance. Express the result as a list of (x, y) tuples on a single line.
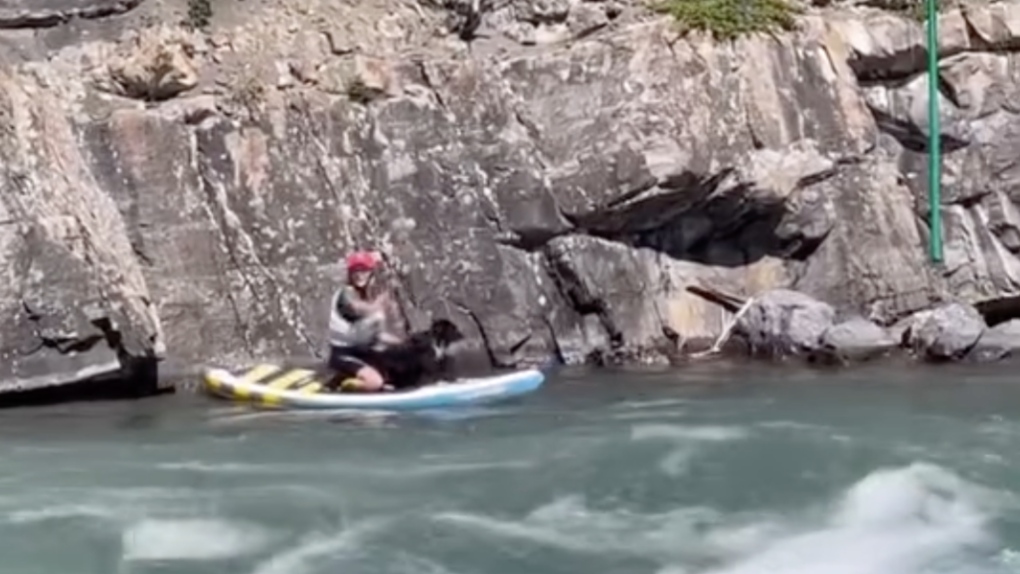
[(712, 470)]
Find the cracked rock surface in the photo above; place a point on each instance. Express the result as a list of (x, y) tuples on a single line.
[(549, 174)]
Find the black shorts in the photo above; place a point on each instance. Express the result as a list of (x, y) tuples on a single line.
[(344, 362)]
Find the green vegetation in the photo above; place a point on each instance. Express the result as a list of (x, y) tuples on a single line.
[(728, 19), (199, 14)]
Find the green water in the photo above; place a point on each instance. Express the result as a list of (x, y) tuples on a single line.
[(712, 470)]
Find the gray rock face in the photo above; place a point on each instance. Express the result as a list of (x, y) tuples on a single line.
[(45, 13), (784, 322), (946, 332), (75, 300), (998, 342), (857, 339), (544, 198)]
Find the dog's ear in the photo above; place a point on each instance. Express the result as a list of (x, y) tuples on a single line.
[(446, 332)]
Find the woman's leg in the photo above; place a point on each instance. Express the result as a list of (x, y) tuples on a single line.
[(371, 379), (353, 373)]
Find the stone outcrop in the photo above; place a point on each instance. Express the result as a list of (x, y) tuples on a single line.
[(782, 324), (857, 339), (75, 299), (155, 65), (550, 175), (999, 342), (946, 333)]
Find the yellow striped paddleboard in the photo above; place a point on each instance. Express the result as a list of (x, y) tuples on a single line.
[(275, 386), (265, 385)]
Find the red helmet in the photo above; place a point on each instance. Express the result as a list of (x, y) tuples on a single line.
[(362, 261)]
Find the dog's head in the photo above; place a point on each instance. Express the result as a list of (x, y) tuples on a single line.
[(445, 334)]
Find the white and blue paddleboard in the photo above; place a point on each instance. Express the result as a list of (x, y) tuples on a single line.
[(275, 386)]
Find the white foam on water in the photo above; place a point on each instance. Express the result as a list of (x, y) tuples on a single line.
[(422, 471), (651, 403), (687, 432), (302, 557), (220, 467), (917, 519), (61, 511), (687, 441), (191, 539), (569, 524), (112, 504), (792, 425)]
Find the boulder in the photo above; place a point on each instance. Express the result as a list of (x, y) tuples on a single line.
[(946, 333), (998, 342), (857, 338), (784, 322)]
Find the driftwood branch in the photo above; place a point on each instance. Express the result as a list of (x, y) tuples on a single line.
[(727, 332), (731, 303)]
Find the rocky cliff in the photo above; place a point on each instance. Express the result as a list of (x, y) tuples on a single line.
[(550, 174)]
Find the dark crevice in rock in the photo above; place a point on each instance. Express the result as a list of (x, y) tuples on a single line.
[(490, 351), (969, 200), (974, 37), (531, 240), (133, 385), (902, 67), (26, 18), (980, 45), (948, 91), (573, 289), (999, 310), (889, 70), (143, 257), (554, 341), (529, 126), (910, 136), (430, 84), (473, 15), (696, 218), (516, 347)]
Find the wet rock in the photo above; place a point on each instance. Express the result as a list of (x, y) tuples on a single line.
[(857, 339), (996, 343), (783, 322), (947, 332)]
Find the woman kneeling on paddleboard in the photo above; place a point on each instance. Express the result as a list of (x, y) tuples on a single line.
[(357, 320)]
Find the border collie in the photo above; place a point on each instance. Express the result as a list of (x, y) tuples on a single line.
[(424, 358)]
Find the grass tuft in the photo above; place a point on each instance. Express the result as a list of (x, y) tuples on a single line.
[(729, 19)]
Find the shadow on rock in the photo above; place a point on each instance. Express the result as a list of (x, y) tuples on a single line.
[(714, 220)]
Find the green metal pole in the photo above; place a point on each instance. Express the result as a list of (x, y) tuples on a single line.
[(934, 141)]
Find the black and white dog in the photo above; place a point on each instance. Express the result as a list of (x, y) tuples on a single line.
[(424, 358)]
